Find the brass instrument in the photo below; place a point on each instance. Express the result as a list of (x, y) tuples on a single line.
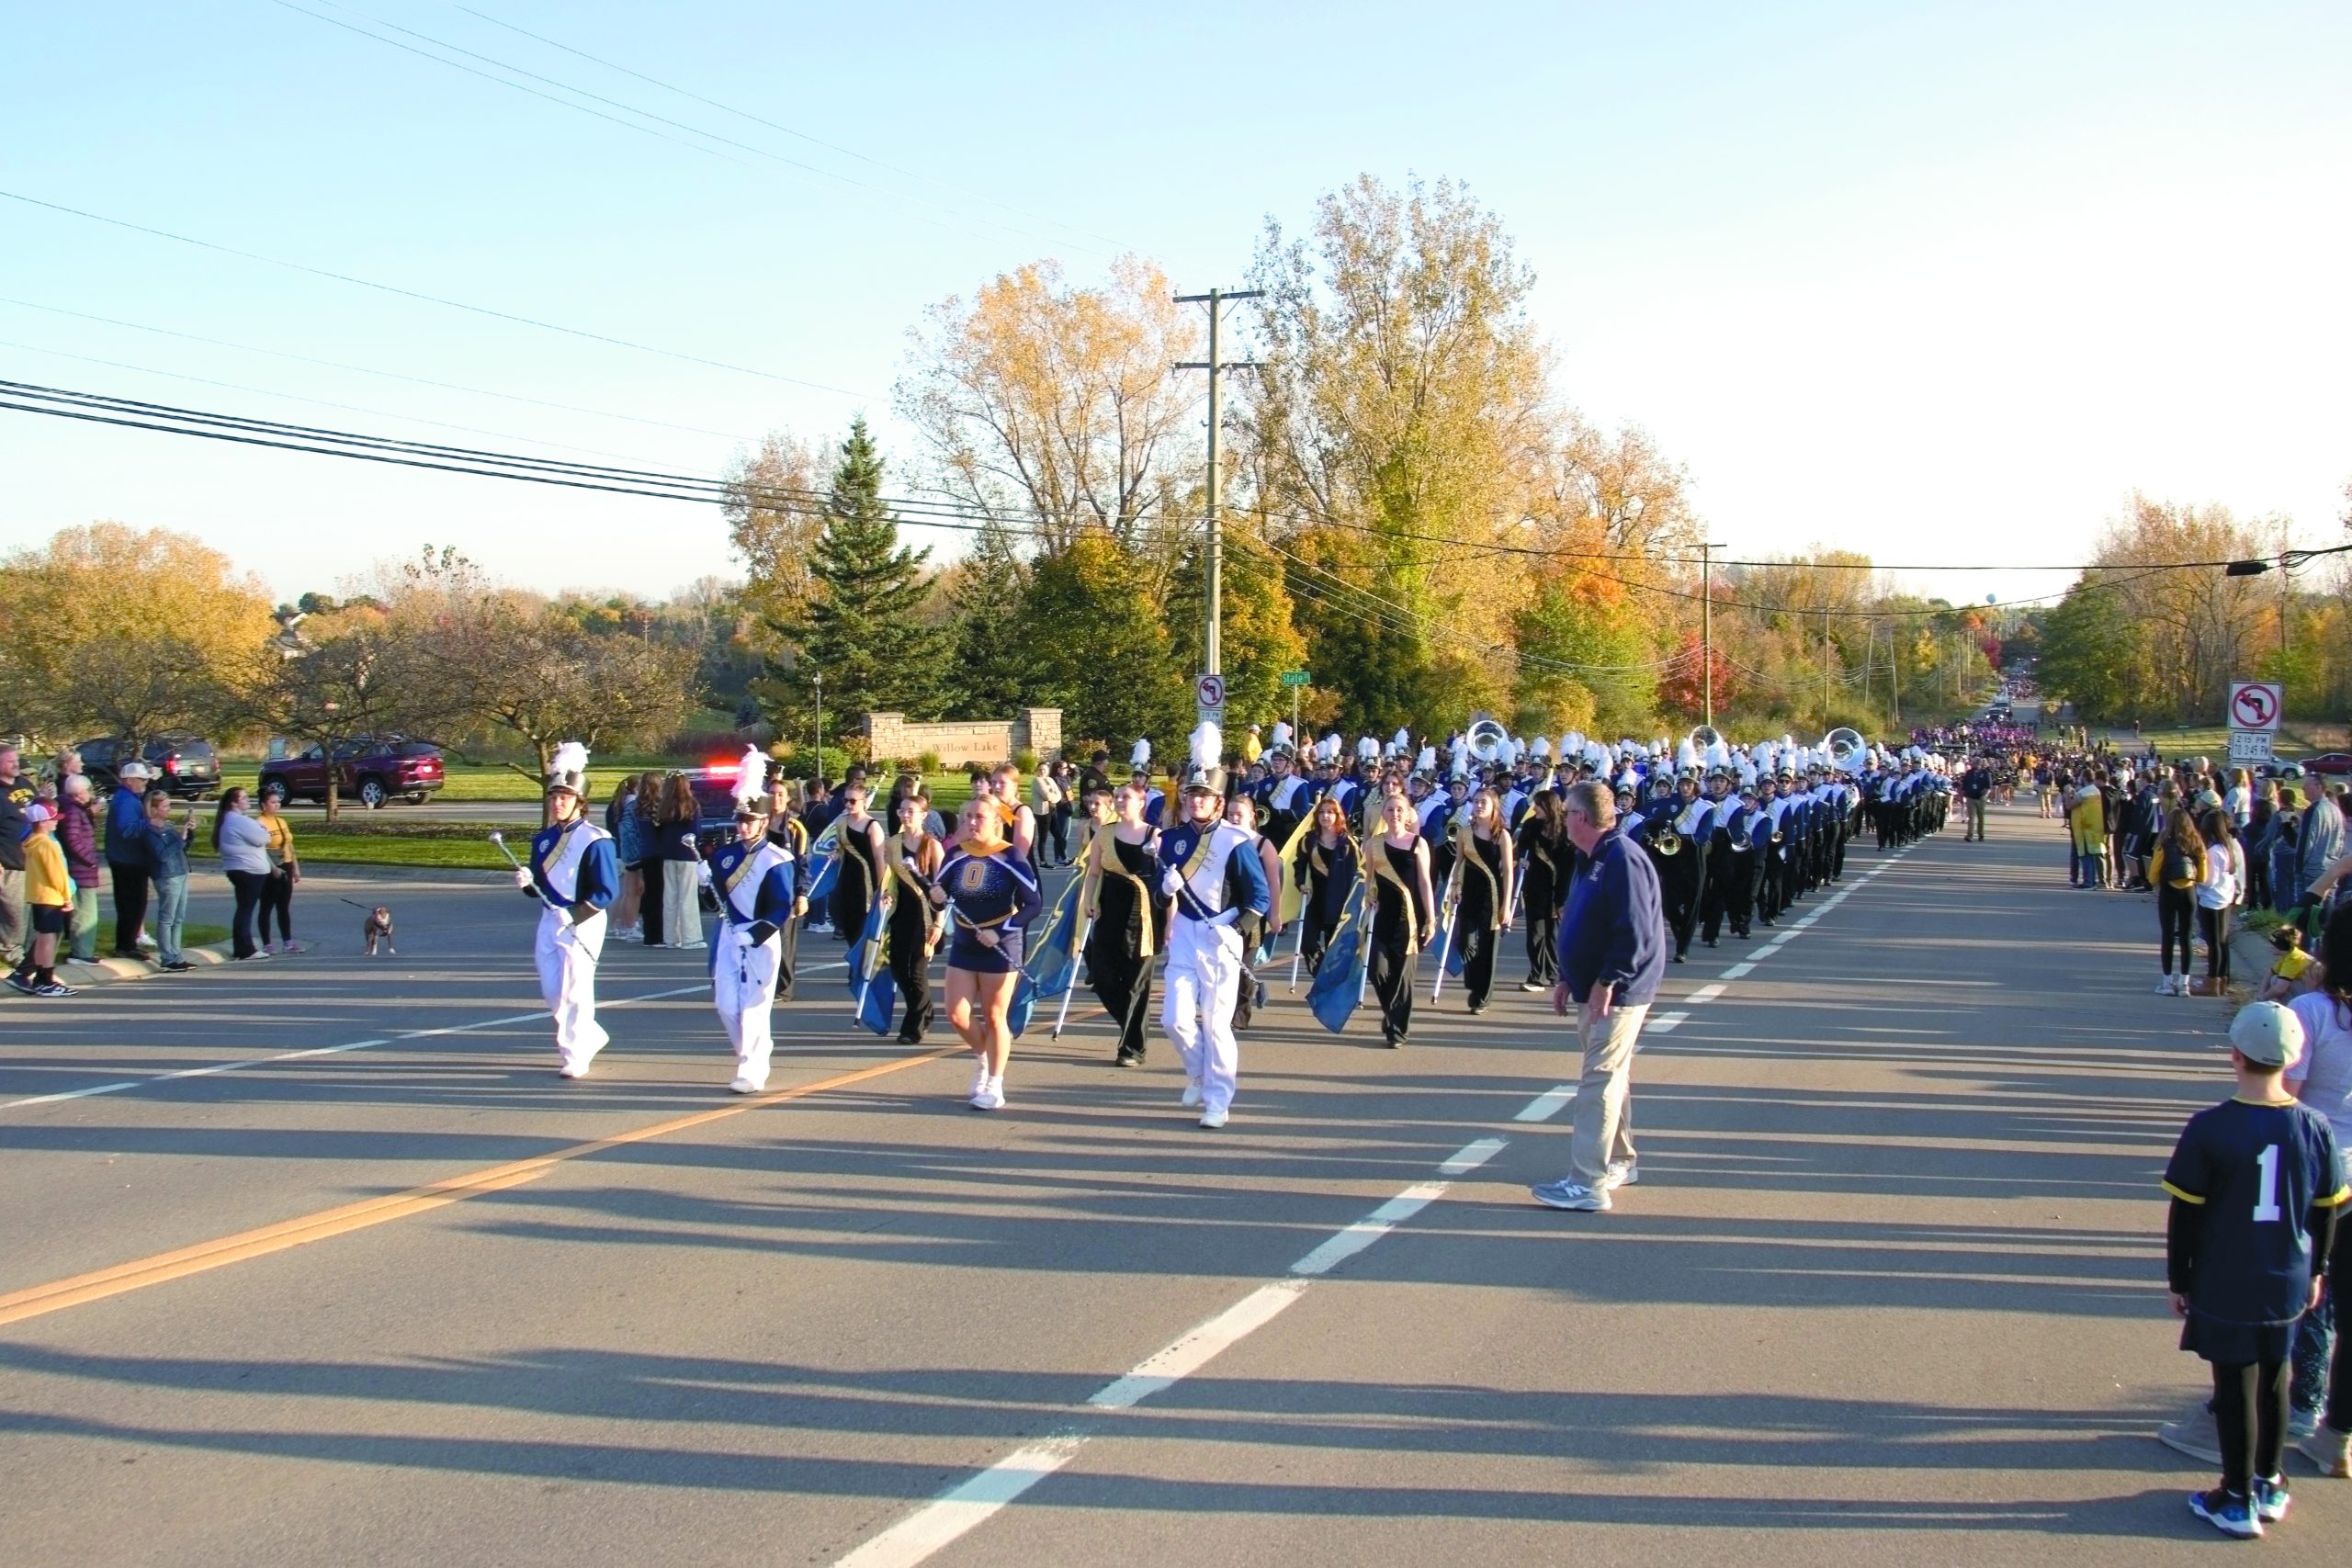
[(1848, 750), (1485, 741)]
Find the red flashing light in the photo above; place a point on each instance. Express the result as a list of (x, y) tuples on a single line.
[(723, 769)]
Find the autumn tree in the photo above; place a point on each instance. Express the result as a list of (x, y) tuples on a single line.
[(125, 630), (775, 507), (1257, 639), (357, 676), (1587, 660), (1403, 412), (1053, 404)]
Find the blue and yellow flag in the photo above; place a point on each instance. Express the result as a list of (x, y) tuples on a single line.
[(1051, 965), (872, 995), (824, 866), (1339, 978)]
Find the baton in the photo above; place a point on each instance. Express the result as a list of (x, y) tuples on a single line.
[(1085, 930), (1371, 919), (500, 840), (1445, 940)]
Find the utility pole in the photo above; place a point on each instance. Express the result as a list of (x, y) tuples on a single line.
[(1707, 626), (819, 763), (1213, 548), (1824, 667), (1894, 677)]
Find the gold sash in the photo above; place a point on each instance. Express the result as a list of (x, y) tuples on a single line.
[(1378, 858), (1101, 862)]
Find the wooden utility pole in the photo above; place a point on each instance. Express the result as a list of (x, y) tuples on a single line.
[(1212, 548), (1707, 628)]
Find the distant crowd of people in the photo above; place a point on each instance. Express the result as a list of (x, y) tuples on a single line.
[(60, 845)]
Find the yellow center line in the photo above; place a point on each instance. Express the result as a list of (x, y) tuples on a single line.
[(163, 1267)]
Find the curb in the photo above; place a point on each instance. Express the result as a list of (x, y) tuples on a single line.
[(107, 970)]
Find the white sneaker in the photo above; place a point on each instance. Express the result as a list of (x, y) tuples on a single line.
[(2163, 985), (979, 1082), (989, 1096), (1622, 1173), (1215, 1117), (745, 1086), (570, 1071), (1191, 1093)]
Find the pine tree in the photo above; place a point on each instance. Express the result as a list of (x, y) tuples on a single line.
[(1101, 650), (861, 631), (989, 675)]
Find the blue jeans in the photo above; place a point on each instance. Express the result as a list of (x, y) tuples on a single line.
[(171, 915)]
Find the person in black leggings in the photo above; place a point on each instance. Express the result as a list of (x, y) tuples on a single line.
[(2179, 867)]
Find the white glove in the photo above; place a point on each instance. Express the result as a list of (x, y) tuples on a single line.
[(702, 873), (1171, 882), (521, 879)]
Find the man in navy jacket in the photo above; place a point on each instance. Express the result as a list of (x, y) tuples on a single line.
[(1612, 953)]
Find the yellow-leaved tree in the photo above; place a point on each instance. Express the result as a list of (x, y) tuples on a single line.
[(110, 629)]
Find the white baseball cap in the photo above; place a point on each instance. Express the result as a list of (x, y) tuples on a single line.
[(2267, 1035), (135, 769)]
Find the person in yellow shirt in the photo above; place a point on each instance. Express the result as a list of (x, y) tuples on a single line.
[(285, 871), (48, 899), (2287, 975)]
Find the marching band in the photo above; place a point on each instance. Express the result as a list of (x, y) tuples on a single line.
[(1362, 858)]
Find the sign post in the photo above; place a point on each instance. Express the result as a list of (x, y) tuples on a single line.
[(1208, 700), (1296, 679), (2255, 708)]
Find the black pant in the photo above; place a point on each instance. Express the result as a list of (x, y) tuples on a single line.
[(911, 968), (787, 959), (1121, 982), (2172, 907), (277, 898), (1315, 935), (1392, 981), (2214, 926), (2250, 1418), (248, 885), (129, 906), (1478, 944), (1543, 943), (649, 908)]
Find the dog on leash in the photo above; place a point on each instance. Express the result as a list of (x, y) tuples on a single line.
[(376, 927)]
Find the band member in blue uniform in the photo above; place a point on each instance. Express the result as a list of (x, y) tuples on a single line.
[(753, 878), (989, 896), (1211, 872), (574, 876)]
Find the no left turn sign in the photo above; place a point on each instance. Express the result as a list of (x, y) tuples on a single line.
[(1209, 692), (2255, 704)]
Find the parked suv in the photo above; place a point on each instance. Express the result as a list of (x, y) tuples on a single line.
[(185, 765), (371, 770)]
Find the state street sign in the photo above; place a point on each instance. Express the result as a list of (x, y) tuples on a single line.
[(1297, 678), (2257, 705)]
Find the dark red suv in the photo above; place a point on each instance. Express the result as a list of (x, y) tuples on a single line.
[(373, 771)]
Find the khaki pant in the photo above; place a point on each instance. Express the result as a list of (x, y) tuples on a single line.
[(1605, 1112), (85, 923)]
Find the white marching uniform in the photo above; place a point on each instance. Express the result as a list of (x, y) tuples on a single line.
[(572, 867), (755, 889), (1213, 874)]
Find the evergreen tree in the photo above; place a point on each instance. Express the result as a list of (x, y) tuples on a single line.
[(1102, 649), (991, 675), (860, 630)]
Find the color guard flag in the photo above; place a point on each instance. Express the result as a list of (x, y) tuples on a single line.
[(824, 854), (1339, 978), (872, 994), (1052, 963)]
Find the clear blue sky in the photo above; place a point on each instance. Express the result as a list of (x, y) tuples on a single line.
[(1942, 283)]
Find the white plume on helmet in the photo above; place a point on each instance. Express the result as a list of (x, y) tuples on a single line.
[(569, 768), (751, 780), (1141, 756)]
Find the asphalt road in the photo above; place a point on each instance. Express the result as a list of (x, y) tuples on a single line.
[(1889, 1289)]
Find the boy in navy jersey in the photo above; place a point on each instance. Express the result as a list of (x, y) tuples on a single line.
[(2257, 1184)]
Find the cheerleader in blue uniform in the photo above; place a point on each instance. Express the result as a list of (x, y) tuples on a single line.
[(989, 896)]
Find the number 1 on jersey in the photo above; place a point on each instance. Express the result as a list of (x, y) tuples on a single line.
[(2266, 1208)]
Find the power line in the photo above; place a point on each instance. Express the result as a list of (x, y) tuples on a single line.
[(368, 370), (433, 298), (786, 129), (599, 97)]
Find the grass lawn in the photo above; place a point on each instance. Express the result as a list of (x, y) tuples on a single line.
[(2213, 740)]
